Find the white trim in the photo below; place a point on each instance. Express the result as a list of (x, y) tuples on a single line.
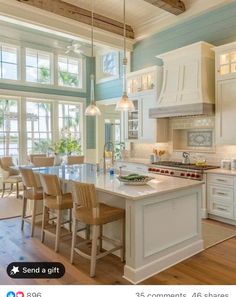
[(28, 16), (135, 276)]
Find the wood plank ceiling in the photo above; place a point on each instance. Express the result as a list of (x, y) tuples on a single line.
[(80, 14)]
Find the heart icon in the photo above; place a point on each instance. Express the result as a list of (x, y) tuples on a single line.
[(19, 294)]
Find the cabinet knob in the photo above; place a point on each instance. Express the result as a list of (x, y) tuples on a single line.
[(218, 70)]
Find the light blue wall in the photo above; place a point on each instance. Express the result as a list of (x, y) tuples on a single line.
[(216, 27)]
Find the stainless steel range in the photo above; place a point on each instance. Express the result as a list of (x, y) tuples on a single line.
[(179, 169)]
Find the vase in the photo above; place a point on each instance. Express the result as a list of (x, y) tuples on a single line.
[(57, 160)]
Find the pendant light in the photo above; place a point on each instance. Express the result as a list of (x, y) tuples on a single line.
[(124, 104), (92, 109)]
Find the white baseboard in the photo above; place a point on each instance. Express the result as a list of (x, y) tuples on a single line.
[(135, 276)]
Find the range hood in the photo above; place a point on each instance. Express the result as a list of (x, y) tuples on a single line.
[(188, 83)]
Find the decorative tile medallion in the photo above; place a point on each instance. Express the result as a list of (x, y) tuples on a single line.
[(200, 138)]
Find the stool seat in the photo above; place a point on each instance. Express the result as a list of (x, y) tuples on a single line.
[(106, 214)]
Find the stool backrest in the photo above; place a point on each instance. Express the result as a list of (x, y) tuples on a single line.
[(75, 160), (84, 195), (51, 184), (43, 161), (32, 156), (6, 162), (28, 178)]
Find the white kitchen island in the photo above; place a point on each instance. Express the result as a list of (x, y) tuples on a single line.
[(163, 218)]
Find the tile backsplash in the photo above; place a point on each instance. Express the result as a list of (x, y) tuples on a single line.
[(213, 155)]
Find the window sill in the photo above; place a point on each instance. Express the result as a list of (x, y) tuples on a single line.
[(44, 86)]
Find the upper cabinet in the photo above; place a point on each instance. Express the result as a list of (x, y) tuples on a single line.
[(147, 80), (143, 88), (225, 93)]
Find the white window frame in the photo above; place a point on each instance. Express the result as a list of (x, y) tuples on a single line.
[(55, 100), (5, 80), (52, 68), (100, 75), (82, 86)]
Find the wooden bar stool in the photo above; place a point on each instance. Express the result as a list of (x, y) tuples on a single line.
[(88, 210), (54, 199), (43, 161), (73, 160), (10, 175), (32, 191)]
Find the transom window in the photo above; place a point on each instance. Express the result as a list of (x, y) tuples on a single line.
[(69, 72), (109, 64), (70, 119), (8, 62), (9, 128), (38, 66), (39, 129)]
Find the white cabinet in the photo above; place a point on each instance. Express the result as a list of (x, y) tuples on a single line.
[(221, 195), (225, 93), (143, 88)]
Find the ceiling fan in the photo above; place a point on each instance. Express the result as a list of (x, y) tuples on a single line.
[(81, 49)]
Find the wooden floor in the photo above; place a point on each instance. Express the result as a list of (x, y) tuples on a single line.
[(216, 265)]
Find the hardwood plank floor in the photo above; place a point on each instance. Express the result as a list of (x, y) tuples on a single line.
[(216, 265)]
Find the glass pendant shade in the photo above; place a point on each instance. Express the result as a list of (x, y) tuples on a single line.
[(124, 104), (92, 110)]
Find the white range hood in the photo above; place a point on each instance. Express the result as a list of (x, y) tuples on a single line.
[(188, 83)]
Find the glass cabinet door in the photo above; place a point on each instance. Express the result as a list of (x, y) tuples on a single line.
[(133, 122), (227, 63)]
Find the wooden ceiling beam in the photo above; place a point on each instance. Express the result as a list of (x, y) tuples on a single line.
[(81, 15), (173, 6)]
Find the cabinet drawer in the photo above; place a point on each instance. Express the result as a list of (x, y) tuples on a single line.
[(219, 193), (221, 209), (221, 179)]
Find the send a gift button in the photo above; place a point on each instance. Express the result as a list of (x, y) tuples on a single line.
[(35, 270)]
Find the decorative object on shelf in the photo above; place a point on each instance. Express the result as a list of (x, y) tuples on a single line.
[(200, 138), (124, 104), (157, 154), (134, 179), (92, 109)]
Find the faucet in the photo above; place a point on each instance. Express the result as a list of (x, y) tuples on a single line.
[(108, 145), (186, 158)]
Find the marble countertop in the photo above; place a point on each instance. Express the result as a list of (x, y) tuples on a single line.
[(136, 161), (222, 171), (110, 184)]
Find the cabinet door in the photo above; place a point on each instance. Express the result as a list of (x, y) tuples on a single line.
[(132, 122), (226, 112), (226, 65), (147, 131)]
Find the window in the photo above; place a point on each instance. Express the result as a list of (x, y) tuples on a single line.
[(69, 72), (38, 66), (9, 128), (107, 66), (39, 130), (69, 120), (8, 62)]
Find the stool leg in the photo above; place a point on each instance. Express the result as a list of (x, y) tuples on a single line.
[(3, 189), (23, 212), (33, 218), (70, 218), (100, 237), (43, 223), (58, 231), (122, 251), (94, 250), (87, 232), (73, 241), (17, 190)]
